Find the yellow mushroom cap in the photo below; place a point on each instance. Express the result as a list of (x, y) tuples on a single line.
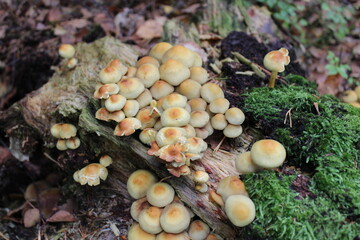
[(148, 74), (199, 118), (276, 61), (198, 60), (55, 130), (235, 116), (66, 50), (146, 118), (169, 135), (149, 220), (104, 91), (219, 105), (174, 100), (131, 72), (92, 173), (240, 210), (109, 75), (160, 194), (244, 164), (147, 59), (213, 196), (201, 176), (231, 185), (199, 74), (159, 49), (127, 127), (232, 131), (198, 230), (161, 89), (116, 116), (115, 102), (116, 63), (172, 236), (349, 96), (105, 160), (145, 98), (189, 131), (219, 122), (268, 153), (175, 117), (136, 233), (67, 131), (139, 182), (102, 114), (174, 72), (72, 143), (195, 145), (210, 91), (201, 187), (189, 88), (197, 104), (72, 63), (175, 218), (131, 88), (147, 136), (137, 207), (181, 54), (131, 108)]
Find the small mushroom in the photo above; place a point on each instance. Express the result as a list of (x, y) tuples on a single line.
[(275, 61), (137, 207), (195, 145), (175, 218), (66, 50), (201, 176), (149, 220), (199, 119), (174, 100), (234, 116), (105, 160), (72, 63), (175, 117), (131, 88), (180, 54), (210, 91), (63, 130), (136, 233), (240, 210), (92, 173), (268, 153), (147, 59), (174, 72), (146, 117), (197, 104), (219, 122), (127, 127), (116, 63), (104, 91), (169, 135), (201, 187), (231, 185), (148, 73), (147, 136), (145, 98), (232, 131), (189, 88), (72, 143), (244, 164), (161, 89), (160, 194), (115, 102), (219, 105), (131, 108), (349, 96), (139, 182), (159, 49), (199, 74), (109, 75), (198, 230)]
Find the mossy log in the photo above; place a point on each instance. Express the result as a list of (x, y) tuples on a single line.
[(67, 98)]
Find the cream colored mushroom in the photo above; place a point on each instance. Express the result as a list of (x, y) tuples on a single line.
[(231, 185), (109, 75), (73, 143), (149, 220), (115, 102), (147, 136), (199, 74), (175, 218), (232, 131), (147, 59), (219, 122), (131, 88), (268, 153), (145, 98), (127, 127), (181, 54), (148, 73), (175, 117), (137, 207), (169, 135), (174, 100), (131, 108), (210, 91), (139, 182), (159, 49), (240, 210), (197, 104), (146, 117), (66, 50), (244, 164), (136, 233), (198, 230), (161, 89), (189, 88), (105, 160), (174, 72), (92, 173), (199, 119), (234, 116), (219, 105), (160, 194)]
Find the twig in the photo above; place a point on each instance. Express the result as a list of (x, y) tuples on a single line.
[(249, 63), (218, 146), (3, 236), (53, 160), (288, 113)]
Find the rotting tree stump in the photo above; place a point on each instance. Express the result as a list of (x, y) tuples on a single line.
[(67, 97)]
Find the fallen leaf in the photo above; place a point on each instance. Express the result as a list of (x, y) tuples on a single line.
[(62, 216), (54, 15), (48, 200), (106, 23), (150, 29), (332, 85), (31, 217)]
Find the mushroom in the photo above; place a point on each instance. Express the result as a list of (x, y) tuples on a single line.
[(275, 61), (174, 100), (219, 122), (161, 89), (147, 136), (63, 130), (172, 236), (201, 133), (160, 194), (169, 135), (268, 153), (131, 108), (102, 114), (175, 218), (145, 98), (244, 164), (198, 60), (231, 185), (201, 176), (198, 230), (175, 117), (148, 73), (116, 63), (104, 91), (349, 96), (234, 116), (149, 220), (174, 153), (92, 173), (189, 131), (139, 182), (136, 233), (240, 210), (147, 59), (174, 72), (105, 160), (116, 116), (213, 196), (201, 187), (159, 49), (72, 143), (66, 50), (210, 91), (146, 117), (109, 75), (180, 54), (232, 131), (199, 119), (131, 88), (115, 102), (127, 127), (219, 105), (131, 72), (199, 74), (189, 88), (195, 145), (137, 207), (197, 104), (72, 63)]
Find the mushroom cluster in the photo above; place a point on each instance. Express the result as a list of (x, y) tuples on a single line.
[(159, 213), (66, 134), (67, 51), (168, 97), (352, 97), (92, 173)]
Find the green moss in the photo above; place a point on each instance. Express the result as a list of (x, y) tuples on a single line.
[(325, 144)]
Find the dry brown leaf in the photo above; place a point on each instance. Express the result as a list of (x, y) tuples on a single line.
[(31, 217), (54, 15), (77, 23), (150, 29), (332, 85), (48, 200), (62, 216)]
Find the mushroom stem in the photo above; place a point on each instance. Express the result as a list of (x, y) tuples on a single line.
[(272, 79)]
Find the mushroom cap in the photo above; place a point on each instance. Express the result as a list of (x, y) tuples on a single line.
[(276, 61), (147, 59), (213, 196), (147, 136), (175, 218), (172, 236), (55, 130), (169, 135), (131, 72), (72, 63), (201, 187), (102, 114), (219, 105), (131, 108), (127, 127), (115, 102), (174, 100), (92, 173), (174, 72), (175, 117), (145, 98), (136, 233), (104, 91), (349, 96), (244, 163), (159, 49), (116, 63), (198, 230), (160, 194), (149, 220), (234, 116), (109, 75), (232, 131), (67, 131), (268, 153), (199, 74), (180, 54), (189, 131), (202, 133), (148, 73), (210, 91), (105, 160), (158, 125), (189, 88), (195, 145), (219, 122), (198, 60), (61, 145), (137, 207), (131, 87), (240, 210), (199, 118), (66, 50), (139, 182), (116, 116), (197, 104), (201, 176), (231, 185), (161, 89), (146, 118), (73, 143)]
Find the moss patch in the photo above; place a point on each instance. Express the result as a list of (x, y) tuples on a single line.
[(324, 142)]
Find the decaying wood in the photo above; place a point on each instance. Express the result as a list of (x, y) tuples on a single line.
[(67, 97)]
